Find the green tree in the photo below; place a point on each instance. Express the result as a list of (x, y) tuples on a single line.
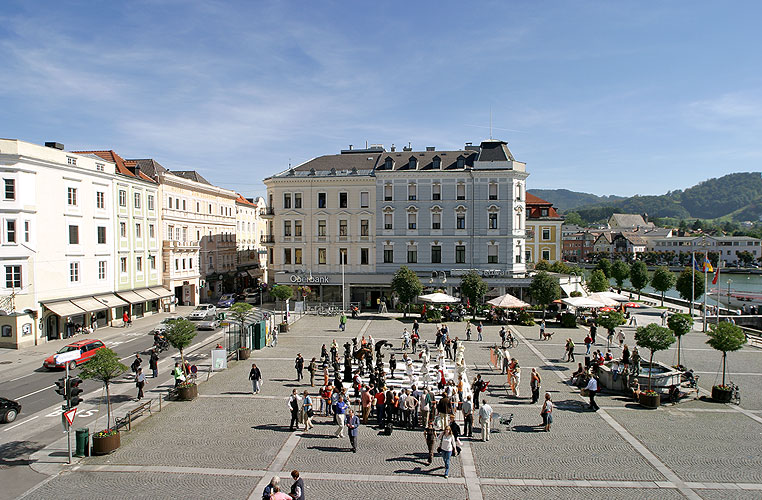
[(684, 287), (542, 265), (544, 290), (282, 292), (474, 287), (725, 337), (744, 256), (654, 338), (620, 271), (598, 282), (639, 276), (180, 334), (604, 265), (105, 366), (407, 286), (680, 324), (573, 218), (611, 320), (240, 310), (663, 280)]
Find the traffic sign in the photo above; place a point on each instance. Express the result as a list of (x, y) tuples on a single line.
[(70, 415), (68, 356)]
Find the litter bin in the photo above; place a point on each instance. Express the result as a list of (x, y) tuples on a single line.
[(83, 441)]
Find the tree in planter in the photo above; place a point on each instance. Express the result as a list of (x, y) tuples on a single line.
[(654, 338), (680, 324), (282, 292), (639, 276), (407, 286), (598, 282), (663, 280), (611, 320), (240, 310), (105, 366), (684, 287), (180, 334), (604, 265), (725, 337), (473, 286), (620, 271), (544, 290)]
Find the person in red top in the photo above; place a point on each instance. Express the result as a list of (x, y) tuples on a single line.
[(126, 319), (588, 343), (380, 407)]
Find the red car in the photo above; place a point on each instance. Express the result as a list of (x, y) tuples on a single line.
[(88, 348)]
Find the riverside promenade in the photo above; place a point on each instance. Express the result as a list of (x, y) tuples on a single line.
[(228, 443)]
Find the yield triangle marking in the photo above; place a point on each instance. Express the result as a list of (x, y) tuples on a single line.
[(70, 415)]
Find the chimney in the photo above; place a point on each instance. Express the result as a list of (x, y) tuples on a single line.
[(54, 145), (350, 147), (394, 148), (469, 144)]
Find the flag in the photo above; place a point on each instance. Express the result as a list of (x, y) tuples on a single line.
[(716, 275), (696, 265), (424, 310), (707, 266)]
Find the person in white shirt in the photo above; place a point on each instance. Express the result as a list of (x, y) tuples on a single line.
[(592, 389), (485, 418), (620, 338), (448, 444), (547, 412)]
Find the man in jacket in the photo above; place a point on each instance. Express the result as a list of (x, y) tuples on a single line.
[(353, 423), (293, 406), (297, 489), (485, 418), (299, 365), (256, 378)]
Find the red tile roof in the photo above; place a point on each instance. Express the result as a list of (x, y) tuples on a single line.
[(243, 200), (122, 166), (535, 206)]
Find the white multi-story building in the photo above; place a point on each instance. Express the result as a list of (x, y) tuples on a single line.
[(726, 247)]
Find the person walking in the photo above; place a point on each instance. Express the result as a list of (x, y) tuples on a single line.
[(625, 359), (479, 329), (570, 350), (341, 412), (293, 406), (312, 368), (478, 387), (153, 363), (392, 364), (516, 378), (447, 444), (93, 322), (547, 412), (620, 337), (592, 389), (593, 332), (430, 434), (353, 424), (468, 330), (502, 336), (343, 322), (136, 364), (534, 384), (299, 365), (297, 489), (177, 373), (380, 406), (542, 330), (366, 400), (468, 417), (485, 419), (588, 344), (308, 411), (256, 378), (140, 382), (126, 319)]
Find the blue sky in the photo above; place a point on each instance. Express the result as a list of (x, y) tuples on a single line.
[(603, 97)]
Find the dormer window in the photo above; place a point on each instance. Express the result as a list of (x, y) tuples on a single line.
[(461, 162), (413, 163), (437, 163), (388, 163)]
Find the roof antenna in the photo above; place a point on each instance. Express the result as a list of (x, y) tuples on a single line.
[(490, 123)]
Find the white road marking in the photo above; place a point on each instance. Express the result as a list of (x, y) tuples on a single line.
[(23, 376), (35, 392), (21, 423)]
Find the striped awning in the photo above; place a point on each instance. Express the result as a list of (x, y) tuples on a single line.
[(110, 300), (63, 308), (161, 291), (131, 297), (147, 294), (89, 304)]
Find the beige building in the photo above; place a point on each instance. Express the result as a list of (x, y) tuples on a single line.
[(251, 228), (544, 239)]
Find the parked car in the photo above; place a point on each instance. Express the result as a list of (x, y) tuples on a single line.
[(208, 324), (226, 300), (202, 311), (88, 348), (9, 410), (252, 298)]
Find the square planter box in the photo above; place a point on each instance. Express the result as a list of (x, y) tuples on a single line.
[(721, 395), (187, 393), (649, 400), (105, 445)]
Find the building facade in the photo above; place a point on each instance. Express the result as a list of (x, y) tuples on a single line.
[(251, 255), (543, 235), (357, 217)]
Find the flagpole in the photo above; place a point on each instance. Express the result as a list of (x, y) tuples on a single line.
[(719, 265), (706, 276), (693, 283)]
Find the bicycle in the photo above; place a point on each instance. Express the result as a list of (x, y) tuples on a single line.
[(735, 393), (511, 342)]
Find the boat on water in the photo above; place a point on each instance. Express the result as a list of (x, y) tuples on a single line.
[(737, 298)]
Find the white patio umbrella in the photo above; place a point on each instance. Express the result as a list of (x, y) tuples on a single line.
[(439, 298), (606, 298), (507, 301), (582, 302)]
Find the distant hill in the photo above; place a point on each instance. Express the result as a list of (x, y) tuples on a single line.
[(565, 200), (734, 196)]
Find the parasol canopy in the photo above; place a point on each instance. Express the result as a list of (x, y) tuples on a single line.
[(439, 298), (507, 301)]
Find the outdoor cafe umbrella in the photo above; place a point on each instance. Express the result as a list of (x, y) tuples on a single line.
[(632, 304), (507, 301), (439, 298), (607, 309)]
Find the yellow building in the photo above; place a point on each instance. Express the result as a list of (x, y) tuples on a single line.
[(543, 241)]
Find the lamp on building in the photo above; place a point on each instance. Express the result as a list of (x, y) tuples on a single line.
[(436, 275)]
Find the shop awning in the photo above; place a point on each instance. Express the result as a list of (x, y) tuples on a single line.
[(63, 308), (568, 288), (161, 291), (89, 304), (110, 300), (147, 294), (255, 273), (131, 297)]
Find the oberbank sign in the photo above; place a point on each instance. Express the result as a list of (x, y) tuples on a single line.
[(309, 279)]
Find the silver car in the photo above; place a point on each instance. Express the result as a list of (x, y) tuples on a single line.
[(208, 324)]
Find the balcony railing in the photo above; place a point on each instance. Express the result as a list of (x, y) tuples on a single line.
[(267, 238), (268, 211)]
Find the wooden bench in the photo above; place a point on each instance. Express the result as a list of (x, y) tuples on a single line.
[(133, 414)]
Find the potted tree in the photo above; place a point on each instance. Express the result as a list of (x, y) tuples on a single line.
[(407, 286), (544, 289), (654, 338), (611, 320), (105, 366), (680, 324), (473, 287), (180, 334), (282, 292), (240, 310), (725, 337)]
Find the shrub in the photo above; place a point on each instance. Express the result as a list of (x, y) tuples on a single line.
[(526, 318), (568, 320)]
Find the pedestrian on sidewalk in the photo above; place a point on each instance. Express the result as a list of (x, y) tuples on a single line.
[(479, 329), (542, 330), (430, 434), (515, 377), (293, 406), (447, 445), (343, 322), (455, 428), (478, 387), (592, 390), (312, 368), (341, 412), (269, 489), (299, 365), (485, 419), (308, 411), (274, 340), (468, 417), (534, 384), (468, 330), (593, 332), (570, 350), (366, 400), (547, 413), (153, 363), (588, 344), (136, 364), (126, 319), (609, 338), (620, 338), (177, 373), (353, 423), (297, 489), (140, 382), (93, 322), (256, 378), (277, 494)]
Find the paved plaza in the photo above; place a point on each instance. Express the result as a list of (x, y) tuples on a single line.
[(228, 443)]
